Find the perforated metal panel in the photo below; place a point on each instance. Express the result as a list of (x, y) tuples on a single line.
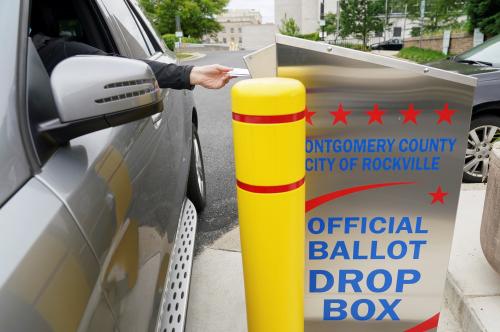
[(174, 304)]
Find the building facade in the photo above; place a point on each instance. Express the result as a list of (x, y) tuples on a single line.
[(232, 23), (306, 13), (399, 27)]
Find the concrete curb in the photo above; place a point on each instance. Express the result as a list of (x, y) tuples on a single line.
[(472, 289), (459, 307), (195, 56)]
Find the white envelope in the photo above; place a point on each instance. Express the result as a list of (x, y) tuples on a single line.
[(239, 72)]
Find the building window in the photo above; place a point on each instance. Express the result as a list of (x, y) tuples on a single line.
[(378, 34), (232, 30), (396, 32), (240, 40), (239, 30), (224, 40), (232, 39)]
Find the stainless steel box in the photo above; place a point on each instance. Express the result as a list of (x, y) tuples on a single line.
[(385, 147)]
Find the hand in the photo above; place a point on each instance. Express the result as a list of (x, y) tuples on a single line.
[(211, 76)]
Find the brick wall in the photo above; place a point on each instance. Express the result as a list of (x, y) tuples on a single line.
[(459, 42)]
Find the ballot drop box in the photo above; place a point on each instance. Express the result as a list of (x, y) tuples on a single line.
[(385, 150)]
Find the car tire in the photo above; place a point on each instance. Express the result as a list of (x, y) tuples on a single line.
[(196, 187), (479, 145)]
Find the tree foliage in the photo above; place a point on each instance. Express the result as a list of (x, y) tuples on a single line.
[(289, 27), (439, 14), (197, 16), (330, 23), (361, 17), (485, 15)]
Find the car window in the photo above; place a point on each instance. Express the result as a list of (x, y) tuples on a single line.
[(128, 25), (488, 51), (70, 28), (143, 33), (153, 34)]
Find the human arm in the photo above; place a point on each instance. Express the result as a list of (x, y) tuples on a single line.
[(170, 75), (186, 77), (210, 76)]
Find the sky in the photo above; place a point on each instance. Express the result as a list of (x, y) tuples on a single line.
[(265, 7)]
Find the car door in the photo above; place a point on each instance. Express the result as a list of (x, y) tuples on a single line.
[(179, 117), (48, 270), (125, 188)]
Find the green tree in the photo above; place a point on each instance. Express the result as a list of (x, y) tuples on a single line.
[(197, 16), (361, 17), (439, 14), (149, 9), (289, 27), (330, 23), (485, 15)]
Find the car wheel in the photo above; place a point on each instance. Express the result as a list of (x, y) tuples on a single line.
[(196, 189), (484, 131)]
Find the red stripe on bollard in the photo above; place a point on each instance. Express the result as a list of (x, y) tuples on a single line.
[(269, 119), (270, 189)]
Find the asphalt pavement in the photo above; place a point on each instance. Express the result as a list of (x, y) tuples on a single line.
[(215, 130)]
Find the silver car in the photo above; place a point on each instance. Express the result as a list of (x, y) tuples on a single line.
[(96, 164), (482, 62)]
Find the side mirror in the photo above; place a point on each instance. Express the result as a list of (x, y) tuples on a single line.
[(94, 92)]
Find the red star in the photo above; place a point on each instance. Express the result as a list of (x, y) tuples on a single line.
[(375, 115), (445, 114), (410, 114), (340, 115), (438, 196), (309, 116)]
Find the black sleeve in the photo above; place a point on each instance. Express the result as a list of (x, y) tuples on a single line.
[(171, 75), (56, 50), (168, 75)]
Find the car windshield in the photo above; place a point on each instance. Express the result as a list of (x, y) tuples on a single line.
[(488, 52)]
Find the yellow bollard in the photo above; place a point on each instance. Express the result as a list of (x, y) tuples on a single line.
[(269, 149)]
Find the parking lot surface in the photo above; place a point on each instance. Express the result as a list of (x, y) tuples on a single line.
[(215, 130)]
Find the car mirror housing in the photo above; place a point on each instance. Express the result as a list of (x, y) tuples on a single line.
[(93, 92)]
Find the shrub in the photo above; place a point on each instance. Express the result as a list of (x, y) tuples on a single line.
[(415, 31), (420, 55), (359, 47), (354, 46), (170, 40), (190, 40), (310, 36)]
